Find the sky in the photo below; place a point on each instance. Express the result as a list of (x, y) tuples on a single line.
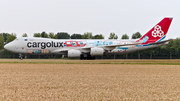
[(80, 16)]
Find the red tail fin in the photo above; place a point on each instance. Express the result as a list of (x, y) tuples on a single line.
[(157, 33)]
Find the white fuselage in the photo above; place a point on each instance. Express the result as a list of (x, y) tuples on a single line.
[(56, 46)]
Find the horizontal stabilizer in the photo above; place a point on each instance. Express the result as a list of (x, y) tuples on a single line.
[(161, 42)]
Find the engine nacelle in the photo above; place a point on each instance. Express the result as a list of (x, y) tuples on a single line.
[(96, 51), (74, 53)]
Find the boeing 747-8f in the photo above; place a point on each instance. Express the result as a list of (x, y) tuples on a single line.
[(89, 48)]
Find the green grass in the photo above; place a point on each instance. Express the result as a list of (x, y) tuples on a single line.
[(61, 61)]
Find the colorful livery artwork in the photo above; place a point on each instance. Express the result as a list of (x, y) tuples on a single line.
[(34, 51), (75, 43)]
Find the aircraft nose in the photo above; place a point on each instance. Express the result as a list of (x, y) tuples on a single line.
[(8, 47)]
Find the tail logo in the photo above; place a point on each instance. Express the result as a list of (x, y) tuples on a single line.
[(157, 31)]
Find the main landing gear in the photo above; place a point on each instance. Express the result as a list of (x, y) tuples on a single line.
[(88, 57)]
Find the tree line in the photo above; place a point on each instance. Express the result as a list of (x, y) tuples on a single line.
[(87, 35), (168, 51)]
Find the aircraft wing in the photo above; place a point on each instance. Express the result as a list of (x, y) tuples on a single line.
[(87, 49), (110, 47)]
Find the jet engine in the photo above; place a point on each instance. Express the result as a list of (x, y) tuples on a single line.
[(74, 53), (96, 51)]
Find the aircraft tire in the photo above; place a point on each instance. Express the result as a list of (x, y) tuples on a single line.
[(82, 57), (89, 57)]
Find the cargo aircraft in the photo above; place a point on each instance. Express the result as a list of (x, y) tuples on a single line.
[(89, 48)]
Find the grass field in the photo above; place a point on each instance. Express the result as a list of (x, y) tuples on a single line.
[(112, 61), (113, 80)]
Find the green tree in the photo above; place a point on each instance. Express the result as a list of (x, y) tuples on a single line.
[(11, 37), (76, 36), (37, 35), (55, 36), (63, 35), (44, 35), (98, 36), (136, 35), (113, 36), (125, 36), (173, 47), (1, 41), (24, 35), (51, 35), (5, 36), (87, 35)]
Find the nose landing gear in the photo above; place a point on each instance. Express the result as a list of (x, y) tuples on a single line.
[(21, 56)]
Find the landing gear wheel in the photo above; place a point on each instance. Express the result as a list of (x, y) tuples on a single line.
[(88, 57), (20, 56), (82, 57), (93, 58)]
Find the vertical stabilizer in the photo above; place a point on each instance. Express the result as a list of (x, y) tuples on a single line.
[(157, 33)]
